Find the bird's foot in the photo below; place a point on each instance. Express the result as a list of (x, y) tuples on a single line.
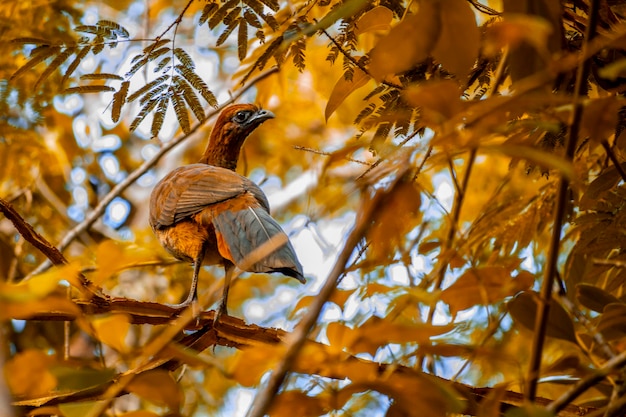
[(218, 314)]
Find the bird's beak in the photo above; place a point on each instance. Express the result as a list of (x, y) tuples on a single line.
[(260, 116)]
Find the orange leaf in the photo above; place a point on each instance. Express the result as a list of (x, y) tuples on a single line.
[(157, 386), (408, 43), (27, 374), (458, 27), (343, 89), (378, 18), (112, 330)]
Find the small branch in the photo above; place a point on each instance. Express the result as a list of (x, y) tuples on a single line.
[(295, 342), (550, 271), (613, 158), (584, 384), (142, 169), (318, 152)]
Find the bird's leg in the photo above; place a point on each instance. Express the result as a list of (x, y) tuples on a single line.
[(193, 291), (228, 272)]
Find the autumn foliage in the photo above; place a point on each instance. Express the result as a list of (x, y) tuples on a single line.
[(451, 173)]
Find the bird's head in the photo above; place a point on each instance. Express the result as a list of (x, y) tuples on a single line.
[(230, 131)]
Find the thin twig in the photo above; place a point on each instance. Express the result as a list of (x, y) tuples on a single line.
[(613, 158), (142, 169), (543, 307), (294, 344), (325, 153)]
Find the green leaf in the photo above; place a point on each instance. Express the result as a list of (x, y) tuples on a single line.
[(197, 83), (184, 58), (145, 110), (114, 27), (134, 96), (190, 97)]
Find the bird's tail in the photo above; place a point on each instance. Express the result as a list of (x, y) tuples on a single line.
[(247, 229)]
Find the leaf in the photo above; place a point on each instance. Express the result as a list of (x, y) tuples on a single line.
[(39, 286), (112, 331), (199, 84), (343, 88), (88, 89), (157, 386), (190, 97), (119, 98), (458, 27), (31, 41), (80, 55), (484, 286), (377, 18), (439, 100), (600, 118), (181, 112), (115, 27), (146, 109), (27, 374), (207, 11), (184, 58), (251, 363), (226, 33), (101, 76), (296, 403), (242, 39), (221, 13), (613, 321), (134, 96), (159, 117), (252, 19), (596, 190), (272, 4), (408, 43), (42, 54), (523, 309), (376, 332), (594, 298)]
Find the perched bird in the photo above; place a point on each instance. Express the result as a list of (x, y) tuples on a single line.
[(207, 213)]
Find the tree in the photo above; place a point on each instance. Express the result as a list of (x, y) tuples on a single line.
[(468, 179)]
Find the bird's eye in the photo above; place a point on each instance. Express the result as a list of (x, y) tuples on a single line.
[(241, 116)]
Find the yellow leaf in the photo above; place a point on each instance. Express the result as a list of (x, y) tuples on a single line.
[(296, 403), (439, 100), (253, 362), (484, 286), (343, 88), (157, 386), (112, 330), (28, 309), (408, 43), (600, 118), (458, 27), (40, 285), (112, 256), (378, 18), (140, 413), (28, 376), (514, 29)]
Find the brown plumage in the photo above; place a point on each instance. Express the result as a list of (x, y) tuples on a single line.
[(206, 213)]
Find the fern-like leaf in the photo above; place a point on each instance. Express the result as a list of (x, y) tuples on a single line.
[(242, 40), (54, 65), (252, 19), (88, 89), (221, 13), (159, 116), (162, 64), (232, 16), (80, 55), (224, 35), (119, 98), (43, 53), (31, 41), (272, 4), (98, 45), (207, 12), (190, 97), (257, 6), (199, 84), (184, 58), (150, 48), (101, 76), (146, 59), (145, 110), (94, 30), (116, 28), (181, 111), (297, 52), (269, 52), (150, 95), (135, 95)]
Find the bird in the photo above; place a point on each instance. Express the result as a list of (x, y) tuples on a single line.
[(208, 214)]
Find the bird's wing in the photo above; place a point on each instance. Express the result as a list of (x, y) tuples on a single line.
[(189, 189), (246, 229)]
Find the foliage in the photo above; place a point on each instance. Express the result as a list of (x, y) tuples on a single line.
[(463, 175)]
